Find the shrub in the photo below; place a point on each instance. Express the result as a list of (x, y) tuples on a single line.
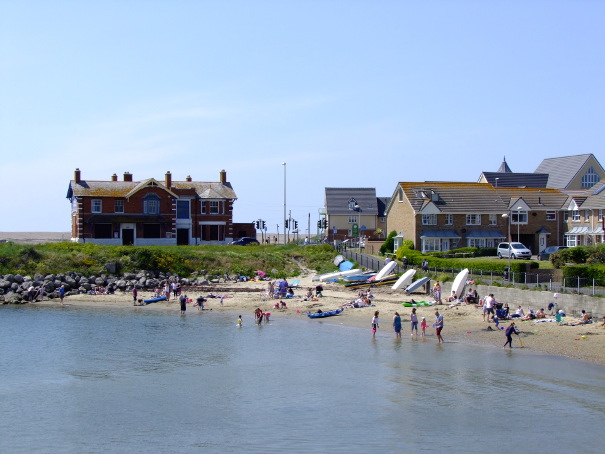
[(389, 243)]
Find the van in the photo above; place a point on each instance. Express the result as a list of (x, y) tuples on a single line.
[(513, 251)]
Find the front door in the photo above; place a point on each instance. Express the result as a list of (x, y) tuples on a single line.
[(182, 237), (127, 237)]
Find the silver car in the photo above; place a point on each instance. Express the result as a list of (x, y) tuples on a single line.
[(513, 251)]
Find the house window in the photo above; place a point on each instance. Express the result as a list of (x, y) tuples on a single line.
[(203, 210), (600, 215), (118, 206), (473, 219), (400, 195), (151, 205), (449, 219), (493, 219), (96, 206), (214, 207), (590, 178), (429, 219), (151, 231), (586, 215), (476, 242), (182, 209), (103, 231), (551, 215), (352, 219), (519, 217), (573, 240), (575, 216), (431, 244)]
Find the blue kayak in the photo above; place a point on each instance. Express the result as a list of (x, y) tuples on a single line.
[(154, 300), (324, 314)]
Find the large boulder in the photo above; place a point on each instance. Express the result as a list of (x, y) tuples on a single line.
[(18, 279), (13, 298), (4, 284)]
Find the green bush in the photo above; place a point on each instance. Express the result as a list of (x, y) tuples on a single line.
[(389, 243)]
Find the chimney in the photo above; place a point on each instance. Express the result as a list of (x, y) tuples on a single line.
[(127, 176), (223, 176), (168, 179), (77, 176), (114, 177), (188, 179)]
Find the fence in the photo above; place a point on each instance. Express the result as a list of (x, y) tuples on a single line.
[(581, 286)]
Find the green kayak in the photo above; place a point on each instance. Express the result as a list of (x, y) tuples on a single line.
[(417, 304)]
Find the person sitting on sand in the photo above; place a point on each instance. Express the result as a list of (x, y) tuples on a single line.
[(540, 313), (369, 294), (471, 296), (530, 316), (290, 293), (309, 295), (283, 305), (518, 313), (585, 317), (453, 297), (319, 290)]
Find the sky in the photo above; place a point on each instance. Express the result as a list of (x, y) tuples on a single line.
[(347, 93)]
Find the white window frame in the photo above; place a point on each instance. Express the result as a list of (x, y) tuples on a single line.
[(117, 204), (575, 216), (431, 244), (573, 240), (519, 217), (96, 206), (493, 219), (449, 219), (551, 215), (429, 219), (473, 219), (214, 207), (586, 215), (352, 219), (600, 215)]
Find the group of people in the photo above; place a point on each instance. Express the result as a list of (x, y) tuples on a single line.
[(438, 325)]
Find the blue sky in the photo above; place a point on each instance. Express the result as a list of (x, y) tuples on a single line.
[(348, 93)]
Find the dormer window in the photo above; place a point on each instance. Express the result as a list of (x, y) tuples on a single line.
[(353, 206)]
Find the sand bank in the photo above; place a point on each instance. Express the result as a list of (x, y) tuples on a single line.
[(462, 323)]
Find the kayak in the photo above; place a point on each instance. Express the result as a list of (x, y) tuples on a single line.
[(417, 304), (154, 300), (324, 314)]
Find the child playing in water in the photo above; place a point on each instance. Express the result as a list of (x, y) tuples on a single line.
[(374, 324), (423, 325), (239, 321)]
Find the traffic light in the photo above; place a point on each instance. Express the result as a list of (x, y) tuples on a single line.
[(324, 223), (256, 225), (264, 225), (295, 225), (319, 224)]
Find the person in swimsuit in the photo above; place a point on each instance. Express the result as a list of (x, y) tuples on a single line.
[(397, 324), (374, 324)]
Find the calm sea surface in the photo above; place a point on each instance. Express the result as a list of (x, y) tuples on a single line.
[(77, 380)]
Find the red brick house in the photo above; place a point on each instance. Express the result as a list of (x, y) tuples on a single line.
[(151, 212)]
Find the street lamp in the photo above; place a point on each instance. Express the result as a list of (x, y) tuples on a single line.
[(285, 220), (508, 215), (518, 223)]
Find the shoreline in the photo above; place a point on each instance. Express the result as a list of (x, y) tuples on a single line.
[(461, 323)]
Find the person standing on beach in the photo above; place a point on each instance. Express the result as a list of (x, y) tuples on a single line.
[(437, 292), (397, 325), (183, 301), (423, 326), (414, 321), (62, 293), (438, 326), (374, 324), (135, 293), (510, 330)]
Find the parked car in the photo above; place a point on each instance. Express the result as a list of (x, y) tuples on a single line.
[(545, 254), (513, 251), (245, 241)]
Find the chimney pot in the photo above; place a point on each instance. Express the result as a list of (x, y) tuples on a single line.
[(127, 176), (223, 176), (168, 179), (77, 176), (114, 177)]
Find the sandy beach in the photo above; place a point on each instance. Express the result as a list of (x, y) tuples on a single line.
[(461, 324)]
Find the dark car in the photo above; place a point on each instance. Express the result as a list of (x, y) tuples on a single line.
[(545, 254), (245, 241)]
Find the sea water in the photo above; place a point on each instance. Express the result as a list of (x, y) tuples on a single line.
[(82, 380)]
